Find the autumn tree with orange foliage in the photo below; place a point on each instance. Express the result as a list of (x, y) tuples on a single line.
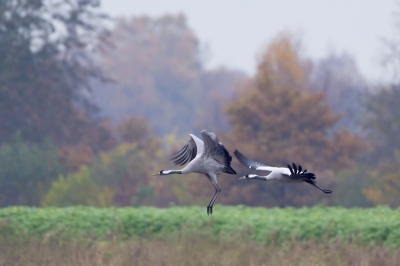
[(277, 120)]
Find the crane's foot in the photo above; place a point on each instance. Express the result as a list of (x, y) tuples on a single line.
[(209, 210)]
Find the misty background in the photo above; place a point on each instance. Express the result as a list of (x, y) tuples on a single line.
[(96, 95)]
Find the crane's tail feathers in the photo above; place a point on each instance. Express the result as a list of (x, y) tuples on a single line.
[(290, 169), (295, 168), (298, 170), (229, 170)]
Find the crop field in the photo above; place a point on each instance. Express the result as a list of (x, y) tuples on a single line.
[(365, 226), (187, 236)]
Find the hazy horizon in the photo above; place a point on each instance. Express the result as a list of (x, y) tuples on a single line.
[(236, 33)]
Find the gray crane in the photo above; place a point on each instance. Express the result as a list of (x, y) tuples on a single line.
[(281, 174), (209, 158)]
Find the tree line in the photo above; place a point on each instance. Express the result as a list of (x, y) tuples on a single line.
[(88, 114)]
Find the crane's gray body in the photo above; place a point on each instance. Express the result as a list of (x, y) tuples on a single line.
[(208, 157), (203, 165)]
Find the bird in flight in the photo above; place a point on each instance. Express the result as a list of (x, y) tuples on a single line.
[(207, 156), (289, 174)]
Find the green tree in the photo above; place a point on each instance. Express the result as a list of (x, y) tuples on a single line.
[(78, 189), (116, 177), (45, 70), (123, 173), (277, 120), (27, 170)]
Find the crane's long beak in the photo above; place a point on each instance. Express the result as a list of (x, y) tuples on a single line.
[(158, 173), (243, 177)]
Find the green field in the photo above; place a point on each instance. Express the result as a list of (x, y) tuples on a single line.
[(365, 226)]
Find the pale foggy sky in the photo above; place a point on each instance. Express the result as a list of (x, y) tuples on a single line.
[(237, 31)]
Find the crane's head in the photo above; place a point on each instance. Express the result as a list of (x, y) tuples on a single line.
[(168, 172), (159, 173)]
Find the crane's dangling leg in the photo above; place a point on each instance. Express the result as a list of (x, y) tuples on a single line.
[(326, 191), (213, 180), (213, 199)]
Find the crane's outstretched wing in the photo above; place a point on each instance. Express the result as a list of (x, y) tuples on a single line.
[(199, 144), (214, 149), (188, 152), (252, 164), (210, 141)]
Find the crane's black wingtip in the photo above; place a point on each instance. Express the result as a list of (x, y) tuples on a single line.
[(241, 158), (238, 153)]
